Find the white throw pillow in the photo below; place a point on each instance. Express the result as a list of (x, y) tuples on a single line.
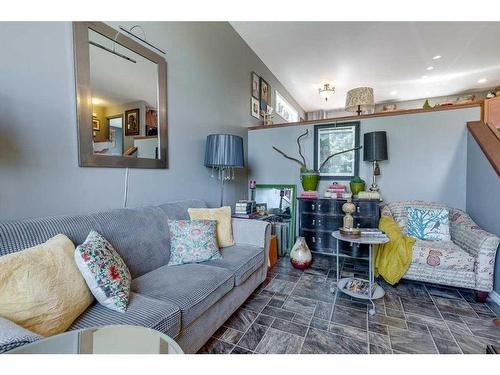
[(104, 271)]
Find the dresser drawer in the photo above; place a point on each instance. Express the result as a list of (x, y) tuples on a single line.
[(320, 222), (364, 208), (323, 206), (318, 240), (365, 222)]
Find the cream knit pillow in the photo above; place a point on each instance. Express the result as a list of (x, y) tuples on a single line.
[(224, 224), (41, 289)]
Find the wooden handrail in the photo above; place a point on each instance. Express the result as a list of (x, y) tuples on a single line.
[(494, 129), (488, 141)]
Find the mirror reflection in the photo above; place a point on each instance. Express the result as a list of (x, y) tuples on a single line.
[(276, 204), (124, 87)]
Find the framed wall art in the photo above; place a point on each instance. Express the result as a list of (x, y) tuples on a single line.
[(254, 107), (255, 86), (132, 122), (332, 138), (265, 94)]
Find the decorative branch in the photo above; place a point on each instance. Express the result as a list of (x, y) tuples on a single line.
[(300, 148), (290, 158), (337, 153)]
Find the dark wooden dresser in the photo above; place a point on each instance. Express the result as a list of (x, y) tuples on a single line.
[(318, 218)]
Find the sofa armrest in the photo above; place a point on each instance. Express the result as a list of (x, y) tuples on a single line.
[(478, 243), (252, 232), (13, 336)]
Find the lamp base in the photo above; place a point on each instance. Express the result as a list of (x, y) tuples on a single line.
[(374, 187)]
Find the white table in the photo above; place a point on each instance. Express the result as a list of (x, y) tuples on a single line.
[(117, 339), (378, 292)]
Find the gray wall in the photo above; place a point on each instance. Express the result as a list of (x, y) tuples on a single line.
[(483, 195), (208, 85), (427, 155)]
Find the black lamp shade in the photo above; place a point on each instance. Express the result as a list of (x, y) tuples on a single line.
[(375, 146), (224, 150)]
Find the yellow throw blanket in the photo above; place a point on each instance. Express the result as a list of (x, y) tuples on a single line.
[(393, 258)]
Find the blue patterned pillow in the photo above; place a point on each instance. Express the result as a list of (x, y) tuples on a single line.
[(428, 224), (192, 241)]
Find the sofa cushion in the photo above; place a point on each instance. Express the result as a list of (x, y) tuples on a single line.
[(139, 235), (179, 210), (192, 287), (13, 336), (442, 254), (243, 260), (142, 311), (22, 234)]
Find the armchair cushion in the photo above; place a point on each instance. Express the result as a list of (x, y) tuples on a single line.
[(428, 224), (442, 254), (399, 212)]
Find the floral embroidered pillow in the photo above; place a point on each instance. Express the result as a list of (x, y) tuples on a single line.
[(428, 224), (104, 271), (192, 241)]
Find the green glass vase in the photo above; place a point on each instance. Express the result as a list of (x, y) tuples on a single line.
[(309, 180), (356, 187)]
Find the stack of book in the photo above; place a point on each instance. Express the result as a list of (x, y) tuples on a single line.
[(372, 232), (335, 191), (309, 194), (369, 195), (245, 209), (282, 232)]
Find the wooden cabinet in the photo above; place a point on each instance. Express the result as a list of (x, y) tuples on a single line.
[(492, 111), (318, 218)]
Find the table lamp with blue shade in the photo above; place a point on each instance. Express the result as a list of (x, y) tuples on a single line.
[(223, 153)]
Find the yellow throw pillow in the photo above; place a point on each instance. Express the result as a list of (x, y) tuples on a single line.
[(41, 289), (224, 224)]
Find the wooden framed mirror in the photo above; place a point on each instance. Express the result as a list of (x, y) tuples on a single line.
[(121, 100)]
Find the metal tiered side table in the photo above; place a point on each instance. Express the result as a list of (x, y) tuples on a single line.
[(377, 291)]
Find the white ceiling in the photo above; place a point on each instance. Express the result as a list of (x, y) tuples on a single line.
[(391, 57)]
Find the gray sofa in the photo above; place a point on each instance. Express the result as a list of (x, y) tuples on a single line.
[(187, 302)]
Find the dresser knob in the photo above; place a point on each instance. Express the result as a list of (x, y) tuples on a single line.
[(314, 222), (313, 206), (358, 210), (313, 239), (319, 206)]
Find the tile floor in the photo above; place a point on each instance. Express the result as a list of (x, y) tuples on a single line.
[(294, 311)]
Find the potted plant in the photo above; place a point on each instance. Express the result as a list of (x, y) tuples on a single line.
[(309, 177)]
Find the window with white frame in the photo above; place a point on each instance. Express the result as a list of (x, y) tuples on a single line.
[(285, 109)]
